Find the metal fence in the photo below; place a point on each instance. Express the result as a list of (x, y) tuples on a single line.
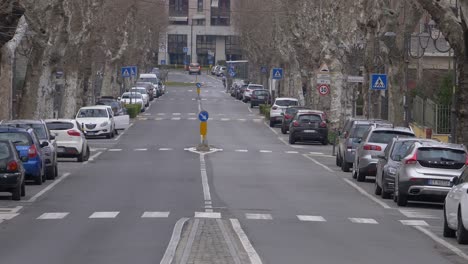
[(427, 113)]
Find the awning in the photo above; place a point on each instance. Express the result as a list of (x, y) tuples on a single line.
[(198, 16), (215, 3), (178, 19)]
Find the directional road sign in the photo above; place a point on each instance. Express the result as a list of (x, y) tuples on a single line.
[(378, 82), (126, 72), (203, 116), (163, 62), (277, 73), (198, 85), (323, 89), (134, 70)]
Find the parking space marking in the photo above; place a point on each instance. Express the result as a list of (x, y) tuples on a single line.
[(311, 218), (175, 118), (48, 188), (417, 214), (366, 194), (266, 151), (97, 149), (8, 216), (257, 120), (363, 220), (292, 152), (165, 149), (115, 150), (161, 114), (192, 118), (141, 149), (444, 243), (251, 252), (191, 114), (155, 215), (176, 114), (258, 216), (103, 215), (241, 150), (225, 119), (123, 132), (242, 119), (52, 216), (158, 118), (318, 163), (207, 215), (414, 222)]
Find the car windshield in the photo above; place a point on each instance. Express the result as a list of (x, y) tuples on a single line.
[(151, 80), (139, 90), (4, 151), (359, 131), (441, 154), (255, 86), (263, 92), (92, 113), (286, 102), (59, 125), (385, 137), (18, 138), (39, 129), (131, 95), (310, 118)]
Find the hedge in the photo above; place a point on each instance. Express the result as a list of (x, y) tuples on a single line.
[(133, 109)]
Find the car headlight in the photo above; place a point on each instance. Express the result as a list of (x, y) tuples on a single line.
[(104, 124), (391, 171)]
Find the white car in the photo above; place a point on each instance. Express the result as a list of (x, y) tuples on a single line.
[(70, 139), (456, 209), (144, 94), (97, 120), (281, 103), (248, 91), (133, 98)]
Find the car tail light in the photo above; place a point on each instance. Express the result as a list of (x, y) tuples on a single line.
[(287, 116), (295, 123), (323, 124), (32, 152), (74, 133), (412, 160), (12, 166), (274, 108), (372, 147)]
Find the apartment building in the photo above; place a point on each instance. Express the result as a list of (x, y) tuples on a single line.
[(199, 31)]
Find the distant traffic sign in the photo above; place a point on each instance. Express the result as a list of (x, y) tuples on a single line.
[(198, 85), (277, 73), (126, 72), (185, 49), (378, 82), (203, 116), (323, 89), (355, 79), (163, 62), (324, 68), (263, 69), (134, 70)]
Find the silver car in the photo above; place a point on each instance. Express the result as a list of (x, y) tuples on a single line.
[(427, 171), (373, 144)]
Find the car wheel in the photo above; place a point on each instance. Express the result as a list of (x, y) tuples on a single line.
[(385, 194), (292, 140), (23, 189), (116, 131), (345, 166), (354, 174), (325, 142), (251, 105), (51, 173), (338, 161), (56, 171), (377, 189), (402, 199), (38, 180), (43, 177), (272, 124), (283, 130), (81, 156), (448, 232), (109, 135), (360, 176), (16, 193), (462, 233)]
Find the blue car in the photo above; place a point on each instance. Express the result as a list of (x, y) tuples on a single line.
[(28, 145)]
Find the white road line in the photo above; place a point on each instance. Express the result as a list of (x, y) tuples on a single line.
[(161, 114), (123, 132), (204, 176), (257, 120), (242, 119), (48, 188), (241, 150), (115, 150), (259, 216), (363, 192), (165, 149), (175, 118), (266, 151), (8, 216), (159, 118), (52, 216), (363, 220), (417, 214), (444, 243), (192, 114), (143, 118), (250, 110), (102, 215), (251, 252), (292, 152), (176, 114), (140, 149), (414, 222), (287, 143), (97, 149), (175, 238), (316, 153), (155, 215), (192, 118), (207, 215), (318, 163), (230, 244), (311, 218), (225, 119)]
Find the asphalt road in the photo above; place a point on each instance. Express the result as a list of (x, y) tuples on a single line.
[(293, 204)]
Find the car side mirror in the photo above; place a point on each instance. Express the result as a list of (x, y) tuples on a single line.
[(44, 144), (24, 158), (52, 137), (455, 180)]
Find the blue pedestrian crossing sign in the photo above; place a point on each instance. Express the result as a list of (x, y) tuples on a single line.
[(277, 73), (134, 70), (378, 82), (185, 49), (126, 72), (203, 116)]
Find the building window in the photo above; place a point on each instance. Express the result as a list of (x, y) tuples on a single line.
[(233, 48), (205, 44), (221, 15), (199, 22), (178, 8), (175, 48), (200, 6)]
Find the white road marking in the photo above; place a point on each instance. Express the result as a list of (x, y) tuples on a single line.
[(363, 220), (97, 149), (192, 118), (192, 114), (229, 242), (140, 149), (175, 118), (143, 118), (250, 110), (208, 202), (414, 222), (159, 118), (251, 252), (241, 150), (316, 153), (444, 243), (242, 119), (115, 150), (259, 216), (123, 132), (48, 188), (266, 151), (363, 192), (164, 149), (8, 216), (311, 218), (161, 114), (287, 144), (292, 152), (155, 215), (207, 215), (52, 216), (318, 163), (257, 120), (102, 215), (225, 119), (417, 214), (176, 114), (175, 238), (204, 176)]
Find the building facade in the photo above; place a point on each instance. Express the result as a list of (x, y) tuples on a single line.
[(199, 31)]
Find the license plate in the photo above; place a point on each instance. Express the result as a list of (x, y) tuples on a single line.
[(90, 133), (445, 183), (261, 97), (310, 131)]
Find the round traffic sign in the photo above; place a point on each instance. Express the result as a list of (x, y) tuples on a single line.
[(199, 85), (323, 89), (203, 116)]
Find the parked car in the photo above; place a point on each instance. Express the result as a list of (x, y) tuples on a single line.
[(288, 116), (70, 138), (427, 171), (143, 92), (161, 87), (278, 107), (28, 145), (96, 121), (258, 97), (195, 68), (116, 106), (150, 86), (371, 145), (149, 77), (456, 209), (389, 163), (221, 71), (157, 72), (44, 135), (240, 91), (248, 91), (133, 98), (12, 172), (308, 126), (348, 138), (214, 69)]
